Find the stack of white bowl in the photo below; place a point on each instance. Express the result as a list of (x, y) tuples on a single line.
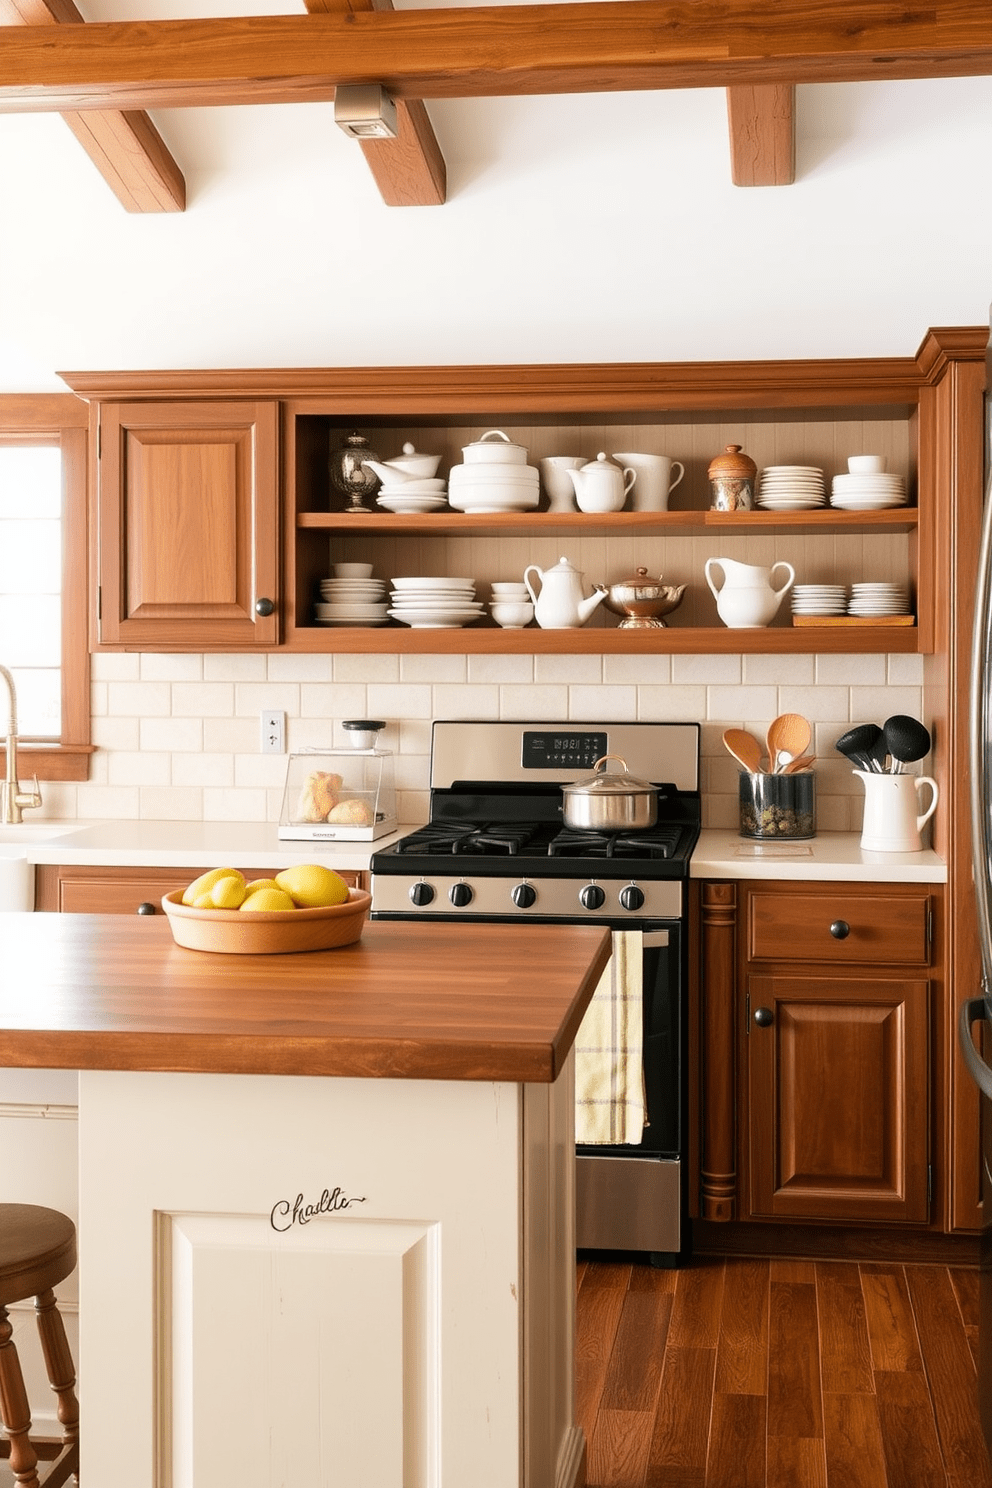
[(409, 496), (791, 488), (511, 605), (352, 597), (873, 601), (494, 477), (435, 603), (819, 599), (867, 486)]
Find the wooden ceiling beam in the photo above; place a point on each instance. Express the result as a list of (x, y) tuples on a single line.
[(409, 170), (604, 46), (124, 145), (762, 121)]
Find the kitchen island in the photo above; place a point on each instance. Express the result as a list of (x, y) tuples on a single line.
[(326, 1208)]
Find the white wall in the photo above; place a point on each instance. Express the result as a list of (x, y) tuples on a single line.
[(577, 228)]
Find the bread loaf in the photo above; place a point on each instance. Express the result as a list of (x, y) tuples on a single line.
[(353, 811), (318, 796)]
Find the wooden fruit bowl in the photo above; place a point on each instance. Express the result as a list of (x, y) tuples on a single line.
[(260, 934)]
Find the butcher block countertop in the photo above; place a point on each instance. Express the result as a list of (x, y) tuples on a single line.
[(407, 1001)]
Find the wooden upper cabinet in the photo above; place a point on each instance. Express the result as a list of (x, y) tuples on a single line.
[(188, 547)]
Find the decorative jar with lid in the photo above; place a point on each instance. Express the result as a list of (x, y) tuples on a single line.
[(731, 477)]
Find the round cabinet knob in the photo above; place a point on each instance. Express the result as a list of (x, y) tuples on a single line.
[(592, 897), (461, 894), (264, 607), (146, 908), (840, 929), (422, 893), (523, 895), (631, 897), (764, 1017)]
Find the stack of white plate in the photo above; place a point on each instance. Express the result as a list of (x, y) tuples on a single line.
[(494, 488), (868, 492), (791, 488), (868, 600), (819, 599), (435, 604), (352, 602), (409, 496)]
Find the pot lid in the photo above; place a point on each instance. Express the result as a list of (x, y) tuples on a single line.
[(640, 579), (492, 438), (616, 783)]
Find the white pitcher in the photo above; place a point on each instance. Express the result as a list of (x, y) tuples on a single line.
[(893, 818), (656, 479), (747, 598)]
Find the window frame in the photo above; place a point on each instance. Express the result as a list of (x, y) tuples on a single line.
[(61, 419)]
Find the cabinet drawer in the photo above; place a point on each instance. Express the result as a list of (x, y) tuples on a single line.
[(844, 927), (121, 890)]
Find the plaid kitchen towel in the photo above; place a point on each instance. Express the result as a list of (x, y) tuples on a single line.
[(609, 1068)]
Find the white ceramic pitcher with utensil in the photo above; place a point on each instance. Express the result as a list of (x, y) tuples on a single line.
[(893, 815), (747, 597)]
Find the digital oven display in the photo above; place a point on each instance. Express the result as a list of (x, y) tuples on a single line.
[(547, 749)]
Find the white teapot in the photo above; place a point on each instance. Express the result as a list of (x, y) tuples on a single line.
[(560, 604), (747, 598), (601, 486)]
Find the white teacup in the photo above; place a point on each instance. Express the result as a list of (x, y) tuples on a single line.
[(557, 482), (654, 482), (512, 614), (866, 464), (504, 589)]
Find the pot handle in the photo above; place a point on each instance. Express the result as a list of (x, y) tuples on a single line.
[(532, 568), (629, 477), (495, 434), (926, 780), (789, 582), (676, 465), (604, 757)]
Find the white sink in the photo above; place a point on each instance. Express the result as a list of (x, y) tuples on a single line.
[(16, 872)]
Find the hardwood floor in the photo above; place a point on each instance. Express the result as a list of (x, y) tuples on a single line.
[(748, 1373)]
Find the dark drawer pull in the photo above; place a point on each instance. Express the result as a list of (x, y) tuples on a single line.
[(146, 908), (764, 1017), (840, 929)]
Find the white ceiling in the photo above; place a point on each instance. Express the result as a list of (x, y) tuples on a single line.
[(595, 227)]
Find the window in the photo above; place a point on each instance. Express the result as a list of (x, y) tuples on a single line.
[(43, 565)]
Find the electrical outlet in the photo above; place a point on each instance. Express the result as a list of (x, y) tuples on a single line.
[(273, 731)]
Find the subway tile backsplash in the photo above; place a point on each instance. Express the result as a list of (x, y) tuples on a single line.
[(178, 735)]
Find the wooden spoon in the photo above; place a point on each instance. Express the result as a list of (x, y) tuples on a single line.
[(804, 762), (788, 734), (745, 749)]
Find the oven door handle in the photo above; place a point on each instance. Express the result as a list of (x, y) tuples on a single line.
[(656, 938)]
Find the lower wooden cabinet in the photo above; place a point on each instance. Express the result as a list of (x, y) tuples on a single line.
[(88, 890), (820, 1016)]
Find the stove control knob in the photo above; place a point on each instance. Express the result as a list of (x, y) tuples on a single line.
[(461, 894), (523, 895), (631, 897), (592, 897), (422, 893)]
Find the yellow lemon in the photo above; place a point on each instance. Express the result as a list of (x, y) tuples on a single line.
[(206, 881), (202, 901), (228, 892), (256, 884), (311, 886), (267, 900)]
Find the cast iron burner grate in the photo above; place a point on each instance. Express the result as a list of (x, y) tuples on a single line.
[(656, 842), (488, 838)]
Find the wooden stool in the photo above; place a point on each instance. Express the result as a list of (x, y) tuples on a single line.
[(37, 1251)]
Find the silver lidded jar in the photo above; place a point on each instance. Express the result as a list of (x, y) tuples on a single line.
[(350, 475), (732, 476)]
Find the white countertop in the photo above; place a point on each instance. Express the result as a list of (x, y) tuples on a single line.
[(836, 856), (177, 844)]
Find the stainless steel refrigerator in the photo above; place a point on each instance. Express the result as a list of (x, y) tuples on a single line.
[(978, 1010)]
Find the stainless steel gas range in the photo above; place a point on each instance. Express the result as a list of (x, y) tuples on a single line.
[(495, 848)]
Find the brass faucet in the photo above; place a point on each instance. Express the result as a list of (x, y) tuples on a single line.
[(14, 799)]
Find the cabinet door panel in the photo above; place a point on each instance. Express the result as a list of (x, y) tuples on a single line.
[(839, 1098), (121, 890), (188, 524)]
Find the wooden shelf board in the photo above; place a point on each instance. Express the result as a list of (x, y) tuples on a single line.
[(902, 519), (671, 640)]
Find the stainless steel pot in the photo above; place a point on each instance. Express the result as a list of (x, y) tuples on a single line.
[(615, 802)]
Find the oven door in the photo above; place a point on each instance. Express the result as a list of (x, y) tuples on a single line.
[(634, 1197)]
